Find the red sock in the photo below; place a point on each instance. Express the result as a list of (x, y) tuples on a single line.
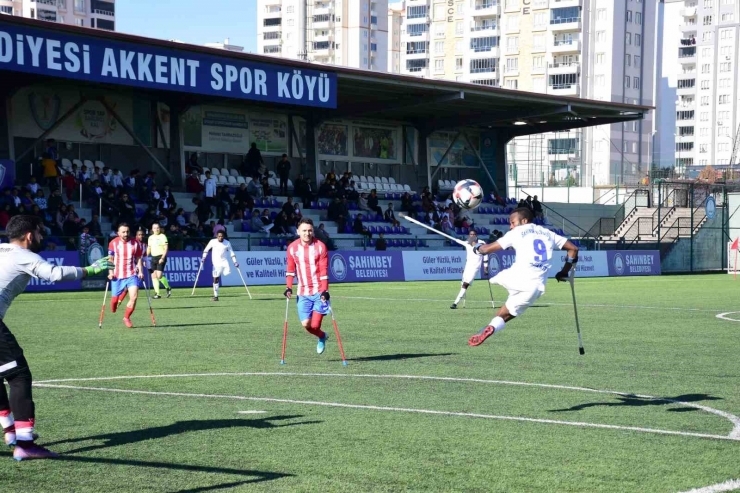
[(315, 329), (129, 311), (113, 304)]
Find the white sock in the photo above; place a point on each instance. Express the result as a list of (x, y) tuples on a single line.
[(498, 324), (215, 290), (24, 434), (6, 421), (460, 295)]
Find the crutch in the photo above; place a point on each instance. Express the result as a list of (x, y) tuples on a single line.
[(245, 283), (148, 299), (418, 223), (102, 310), (571, 279), (339, 339), (285, 330), (196, 278)]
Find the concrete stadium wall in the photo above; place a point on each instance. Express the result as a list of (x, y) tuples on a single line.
[(583, 215)]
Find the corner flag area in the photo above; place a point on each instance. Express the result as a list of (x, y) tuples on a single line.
[(201, 403)]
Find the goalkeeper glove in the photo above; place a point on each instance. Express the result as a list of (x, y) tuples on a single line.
[(325, 296), (98, 266)]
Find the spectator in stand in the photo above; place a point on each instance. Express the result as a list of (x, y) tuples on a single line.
[(32, 186), (380, 244), (7, 198), (242, 194), (537, 208), (51, 149), (84, 174), (116, 180), (192, 184), (255, 223), (359, 228), (283, 172), (180, 218), (70, 226), (390, 215), (289, 207), (16, 199), (352, 194), (154, 195), (5, 215), (51, 173), (211, 187), (126, 210), (327, 190), (174, 237), (282, 224), (86, 239), (255, 189), (59, 218), (266, 188), (106, 177), (324, 237), (224, 204), (149, 182), (338, 213), (253, 161), (168, 196), (372, 202), (266, 221), (95, 228), (407, 203), (193, 166), (27, 200), (69, 183), (55, 201), (529, 203), (295, 218), (202, 210), (447, 226), (40, 200)]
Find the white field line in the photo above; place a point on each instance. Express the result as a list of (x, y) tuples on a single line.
[(730, 485), (251, 412), (723, 316), (733, 435), (396, 409)]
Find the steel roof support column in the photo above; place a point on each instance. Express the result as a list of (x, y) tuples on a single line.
[(176, 148), (312, 156)]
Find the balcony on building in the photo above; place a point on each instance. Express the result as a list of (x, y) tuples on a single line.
[(417, 49), (484, 27), (486, 7), (563, 84), (485, 44), (565, 3), (688, 12), (323, 8), (564, 67), (684, 115), (46, 15), (103, 9), (272, 24), (565, 19), (415, 32), (685, 103), (62, 5), (323, 48), (686, 86), (687, 54), (565, 44), (48, 5), (272, 36), (417, 66), (272, 49), (483, 65), (323, 21)]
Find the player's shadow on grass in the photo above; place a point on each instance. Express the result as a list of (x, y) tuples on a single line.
[(635, 401), (400, 356), (255, 476), (178, 428)]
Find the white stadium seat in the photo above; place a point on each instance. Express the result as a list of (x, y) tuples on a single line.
[(88, 163), (77, 162), (215, 172), (202, 179), (231, 180), (321, 179), (225, 172), (363, 179), (406, 188), (383, 180), (290, 183), (273, 182), (99, 164), (234, 173), (240, 180), (222, 180), (66, 163), (391, 180), (206, 169)]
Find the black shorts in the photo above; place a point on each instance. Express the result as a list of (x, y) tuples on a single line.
[(11, 354), (156, 265)]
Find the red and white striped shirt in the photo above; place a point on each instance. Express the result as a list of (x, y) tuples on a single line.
[(126, 255), (309, 264)]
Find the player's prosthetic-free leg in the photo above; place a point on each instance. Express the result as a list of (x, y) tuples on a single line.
[(461, 294), (216, 284), (497, 325)]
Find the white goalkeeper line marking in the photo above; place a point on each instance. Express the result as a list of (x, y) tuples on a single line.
[(723, 316), (641, 307), (733, 435), (732, 484)]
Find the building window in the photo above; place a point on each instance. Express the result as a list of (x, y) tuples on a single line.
[(637, 61), (416, 65), (80, 22), (483, 65), (484, 44), (416, 12), (629, 16), (273, 22), (540, 19), (636, 83), (563, 81), (458, 63), (628, 37), (638, 40), (724, 99), (600, 36), (600, 80), (685, 115), (79, 6), (459, 28), (439, 65), (538, 40), (415, 29), (417, 47), (565, 15), (707, 36), (512, 64), (627, 81), (439, 30), (439, 47), (725, 66), (538, 62), (511, 84), (459, 46), (601, 14), (628, 59), (638, 18), (705, 68), (707, 20), (512, 44), (512, 23), (706, 52), (704, 84), (599, 59)]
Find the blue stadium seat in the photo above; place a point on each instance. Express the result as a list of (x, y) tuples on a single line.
[(264, 242), (273, 215), (387, 230), (347, 229), (275, 203), (372, 243), (314, 204), (246, 228)]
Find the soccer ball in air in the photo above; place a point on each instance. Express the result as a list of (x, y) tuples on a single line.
[(467, 194)]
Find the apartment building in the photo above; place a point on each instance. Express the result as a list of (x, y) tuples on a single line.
[(395, 20), (99, 14), (596, 49), (353, 33), (707, 127)]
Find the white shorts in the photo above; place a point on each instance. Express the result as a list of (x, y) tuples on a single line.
[(469, 275), (221, 270), (518, 300)]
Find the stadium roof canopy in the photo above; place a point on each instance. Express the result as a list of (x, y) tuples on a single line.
[(424, 103)]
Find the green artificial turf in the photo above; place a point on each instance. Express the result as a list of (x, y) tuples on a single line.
[(647, 336)]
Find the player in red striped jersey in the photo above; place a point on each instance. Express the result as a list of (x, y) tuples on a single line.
[(308, 262), (127, 272)]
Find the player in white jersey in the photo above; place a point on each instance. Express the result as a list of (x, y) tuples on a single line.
[(525, 279), (220, 246), (19, 264), (473, 262)]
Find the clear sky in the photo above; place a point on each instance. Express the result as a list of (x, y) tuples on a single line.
[(192, 21)]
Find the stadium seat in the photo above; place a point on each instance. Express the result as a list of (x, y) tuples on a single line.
[(321, 179), (271, 174), (383, 179), (66, 164), (215, 172), (77, 162), (99, 164), (231, 180), (225, 172), (240, 180), (222, 180), (234, 173), (202, 179), (387, 230), (246, 228), (406, 188), (363, 179), (206, 169), (264, 242), (391, 180), (290, 184), (88, 163), (273, 182)]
